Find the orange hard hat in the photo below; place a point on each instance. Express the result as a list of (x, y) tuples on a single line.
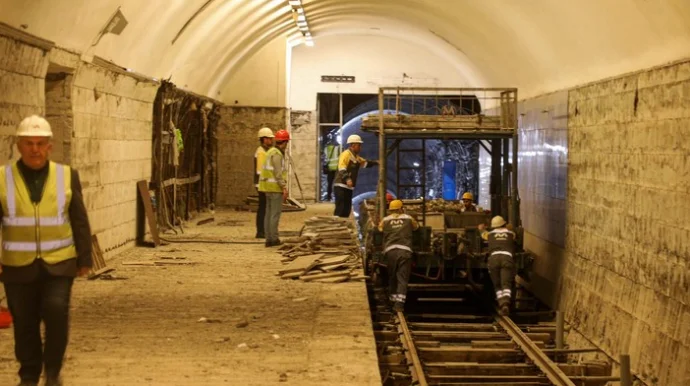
[(282, 135), (389, 197)]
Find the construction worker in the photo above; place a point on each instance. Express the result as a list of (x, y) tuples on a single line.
[(501, 265), (46, 242), (346, 178), (273, 182), (468, 203), (265, 143), (397, 230), (332, 153)]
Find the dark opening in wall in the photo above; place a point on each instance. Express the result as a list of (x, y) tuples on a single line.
[(58, 93)]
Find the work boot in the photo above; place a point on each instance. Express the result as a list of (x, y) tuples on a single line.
[(260, 236), (504, 306), (398, 307), (28, 383)]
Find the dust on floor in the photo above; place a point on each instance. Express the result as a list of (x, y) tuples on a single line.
[(259, 329)]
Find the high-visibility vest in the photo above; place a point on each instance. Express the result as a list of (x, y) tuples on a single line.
[(333, 154), (31, 230), (259, 160), (267, 181)]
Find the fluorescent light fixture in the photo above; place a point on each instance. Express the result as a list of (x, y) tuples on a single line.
[(300, 10), (302, 22), (301, 17), (308, 34), (294, 3), (309, 43), (129, 70)]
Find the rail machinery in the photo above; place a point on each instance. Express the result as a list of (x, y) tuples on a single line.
[(448, 246)]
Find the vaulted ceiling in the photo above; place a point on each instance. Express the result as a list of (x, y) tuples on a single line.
[(538, 45)]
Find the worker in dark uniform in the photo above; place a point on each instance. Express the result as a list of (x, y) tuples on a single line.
[(46, 242), (346, 178), (397, 230), (265, 143), (501, 264), (468, 203)]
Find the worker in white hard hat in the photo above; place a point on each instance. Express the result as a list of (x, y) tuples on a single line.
[(265, 143), (468, 203), (397, 230), (349, 164), (46, 242), (500, 263)]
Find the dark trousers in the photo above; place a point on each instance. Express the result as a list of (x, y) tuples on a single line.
[(330, 176), (261, 215), (343, 201), (502, 271), (45, 299), (399, 269)]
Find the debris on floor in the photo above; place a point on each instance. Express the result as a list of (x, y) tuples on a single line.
[(325, 252)]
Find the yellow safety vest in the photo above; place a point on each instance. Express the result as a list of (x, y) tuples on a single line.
[(259, 161), (333, 154), (267, 181), (33, 231)]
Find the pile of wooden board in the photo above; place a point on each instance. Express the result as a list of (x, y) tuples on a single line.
[(326, 251)]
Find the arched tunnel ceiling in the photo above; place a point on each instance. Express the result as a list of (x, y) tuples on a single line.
[(536, 45)]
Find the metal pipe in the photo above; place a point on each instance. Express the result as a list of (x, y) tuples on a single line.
[(560, 322), (382, 160), (389, 88), (626, 375), (515, 199), (505, 183)]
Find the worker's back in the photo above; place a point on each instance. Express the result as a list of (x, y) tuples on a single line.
[(397, 231)]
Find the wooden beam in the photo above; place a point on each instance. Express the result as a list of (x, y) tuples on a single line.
[(181, 181)]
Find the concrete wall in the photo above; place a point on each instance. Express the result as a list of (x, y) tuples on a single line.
[(621, 274), (111, 148), (305, 155), (22, 83), (260, 81), (58, 100), (374, 60), (237, 142)]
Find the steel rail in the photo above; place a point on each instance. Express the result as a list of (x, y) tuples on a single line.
[(418, 370), (546, 365)]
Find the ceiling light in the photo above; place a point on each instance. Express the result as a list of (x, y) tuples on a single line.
[(300, 10), (301, 17), (309, 43), (294, 3)]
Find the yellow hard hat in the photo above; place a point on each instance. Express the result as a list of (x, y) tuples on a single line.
[(497, 222), (395, 205), (266, 132), (467, 196)]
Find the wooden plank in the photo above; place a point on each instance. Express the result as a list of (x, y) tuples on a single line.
[(302, 263), (96, 254), (333, 260), (95, 274), (139, 263), (325, 275), (148, 208), (461, 354), (181, 181), (338, 279)]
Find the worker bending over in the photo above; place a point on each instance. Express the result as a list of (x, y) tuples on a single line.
[(273, 182), (265, 143), (467, 203), (397, 230), (501, 264), (346, 178)]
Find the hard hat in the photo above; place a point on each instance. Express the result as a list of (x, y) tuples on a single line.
[(395, 204), (354, 138), (467, 196), (389, 197), (34, 126), (266, 132), (282, 135), (497, 222)]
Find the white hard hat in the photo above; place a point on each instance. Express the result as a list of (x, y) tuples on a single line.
[(266, 132), (354, 139), (497, 222), (34, 126)]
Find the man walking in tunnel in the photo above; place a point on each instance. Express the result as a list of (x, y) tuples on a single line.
[(46, 242), (273, 182), (500, 263), (332, 153), (265, 142), (346, 178), (397, 230)]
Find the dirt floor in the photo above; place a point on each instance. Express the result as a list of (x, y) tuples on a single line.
[(260, 330)]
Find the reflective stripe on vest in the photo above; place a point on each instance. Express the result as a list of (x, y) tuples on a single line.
[(36, 230)]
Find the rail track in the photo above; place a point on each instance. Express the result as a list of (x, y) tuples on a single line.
[(448, 336)]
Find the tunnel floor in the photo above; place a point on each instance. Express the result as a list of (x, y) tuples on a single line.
[(259, 329)]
